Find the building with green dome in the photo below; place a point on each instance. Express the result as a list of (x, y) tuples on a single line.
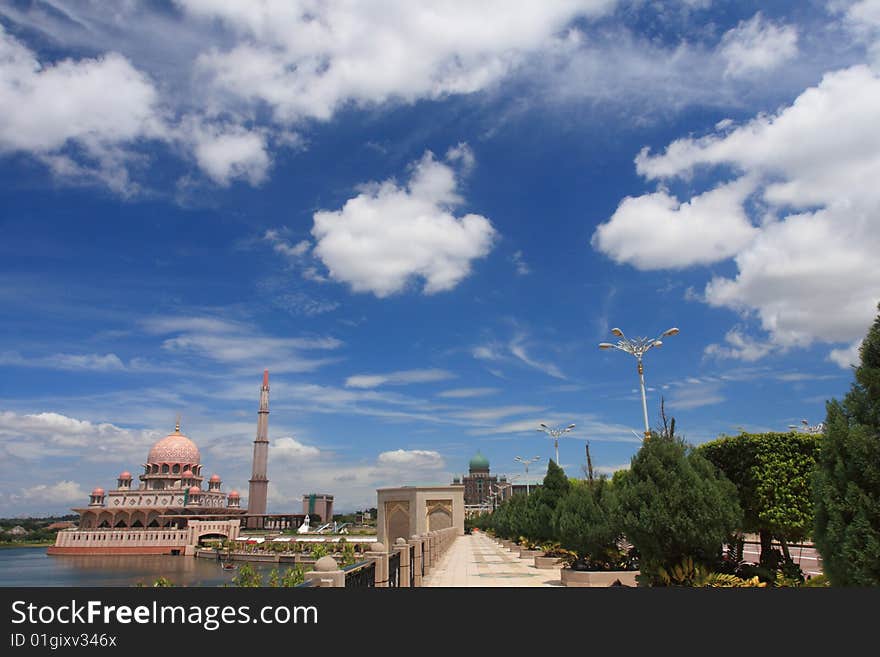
[(479, 483)]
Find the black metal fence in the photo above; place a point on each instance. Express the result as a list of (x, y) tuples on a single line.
[(423, 558), (394, 570), (412, 566), (361, 575)]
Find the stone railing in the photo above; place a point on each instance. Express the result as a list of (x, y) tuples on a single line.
[(404, 565)]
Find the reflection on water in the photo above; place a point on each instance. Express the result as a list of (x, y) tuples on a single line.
[(33, 567)]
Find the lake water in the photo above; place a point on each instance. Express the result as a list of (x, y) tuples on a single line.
[(31, 566)]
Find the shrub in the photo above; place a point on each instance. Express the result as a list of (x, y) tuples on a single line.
[(247, 577), (673, 505)]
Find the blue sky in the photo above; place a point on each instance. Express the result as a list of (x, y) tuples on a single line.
[(422, 219)]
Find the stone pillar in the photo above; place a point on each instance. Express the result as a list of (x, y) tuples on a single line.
[(433, 542), (417, 562), (400, 545), (380, 556), (326, 573), (426, 551)]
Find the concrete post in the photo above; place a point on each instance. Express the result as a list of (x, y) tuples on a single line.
[(380, 556), (400, 545), (326, 573), (426, 551), (417, 562)]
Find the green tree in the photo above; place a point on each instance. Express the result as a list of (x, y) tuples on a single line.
[(541, 505), (773, 475), (584, 524), (847, 483), (673, 504), (293, 577), (247, 577)]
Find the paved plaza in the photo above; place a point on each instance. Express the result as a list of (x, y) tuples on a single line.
[(476, 560)]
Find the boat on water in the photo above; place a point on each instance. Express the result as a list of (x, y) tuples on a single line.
[(228, 566)]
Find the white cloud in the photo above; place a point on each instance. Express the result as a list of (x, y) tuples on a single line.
[(305, 62), (290, 448), (226, 153), (846, 357), (757, 45), (62, 492), (48, 108), (240, 344), (466, 393), (93, 362), (522, 267), (388, 235), (33, 437), (404, 377), (656, 231), (482, 415), (515, 351), (807, 275), (740, 347), (411, 459)]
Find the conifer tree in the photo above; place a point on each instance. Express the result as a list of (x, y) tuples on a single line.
[(847, 484)]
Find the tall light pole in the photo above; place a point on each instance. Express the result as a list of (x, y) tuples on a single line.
[(809, 428), (554, 434), (526, 463), (638, 347)]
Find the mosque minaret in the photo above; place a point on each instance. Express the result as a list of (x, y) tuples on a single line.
[(259, 482)]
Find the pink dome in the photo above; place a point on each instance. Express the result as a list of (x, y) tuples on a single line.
[(234, 494), (195, 490), (125, 475), (187, 473), (98, 491), (174, 448), (215, 478)]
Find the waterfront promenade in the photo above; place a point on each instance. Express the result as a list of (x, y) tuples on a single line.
[(476, 560)]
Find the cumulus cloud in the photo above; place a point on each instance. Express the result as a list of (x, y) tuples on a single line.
[(35, 436), (808, 271), (389, 235), (757, 45), (290, 448), (657, 231), (102, 125), (403, 377), (411, 459), (739, 346), (846, 357), (307, 62), (227, 152)]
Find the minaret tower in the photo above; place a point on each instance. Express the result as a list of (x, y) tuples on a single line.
[(259, 483)]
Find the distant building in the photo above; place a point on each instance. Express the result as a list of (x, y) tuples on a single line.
[(18, 530), (479, 483), (318, 505), (61, 524)]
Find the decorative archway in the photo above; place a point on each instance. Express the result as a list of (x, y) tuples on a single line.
[(397, 521), (439, 514)]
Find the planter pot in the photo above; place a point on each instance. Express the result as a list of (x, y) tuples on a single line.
[(547, 562), (530, 554), (598, 578)]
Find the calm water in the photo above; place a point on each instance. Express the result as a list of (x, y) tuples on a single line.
[(33, 567)]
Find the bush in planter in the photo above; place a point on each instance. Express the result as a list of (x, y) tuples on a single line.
[(673, 505), (587, 529), (541, 505)]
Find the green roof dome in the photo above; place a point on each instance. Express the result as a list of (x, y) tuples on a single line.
[(479, 462)]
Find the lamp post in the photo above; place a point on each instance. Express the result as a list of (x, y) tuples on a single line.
[(809, 428), (638, 347), (526, 463), (554, 434)]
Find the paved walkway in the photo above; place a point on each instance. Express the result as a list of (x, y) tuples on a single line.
[(476, 560)]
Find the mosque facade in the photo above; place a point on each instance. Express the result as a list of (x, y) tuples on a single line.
[(173, 506)]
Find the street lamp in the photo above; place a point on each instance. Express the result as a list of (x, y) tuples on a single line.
[(638, 347), (526, 463), (555, 433), (809, 428)]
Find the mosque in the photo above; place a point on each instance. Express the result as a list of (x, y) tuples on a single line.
[(171, 510)]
